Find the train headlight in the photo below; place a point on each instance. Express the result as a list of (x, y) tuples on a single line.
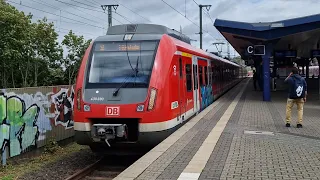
[(79, 99), (152, 99), (86, 108), (140, 108)]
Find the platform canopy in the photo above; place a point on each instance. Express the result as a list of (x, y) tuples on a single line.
[(300, 34), (298, 38)]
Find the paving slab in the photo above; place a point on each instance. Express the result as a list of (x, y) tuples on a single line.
[(238, 137)]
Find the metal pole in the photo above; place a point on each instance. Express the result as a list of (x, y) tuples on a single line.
[(200, 6), (109, 16), (104, 7)]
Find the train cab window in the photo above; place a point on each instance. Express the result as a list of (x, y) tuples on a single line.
[(206, 75), (111, 63), (200, 76), (189, 77)]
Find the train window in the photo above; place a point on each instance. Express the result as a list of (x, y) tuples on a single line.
[(112, 62), (180, 67), (189, 77), (200, 76), (212, 75), (206, 75), (196, 76)]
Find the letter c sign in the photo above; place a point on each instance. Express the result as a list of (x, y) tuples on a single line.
[(250, 49)]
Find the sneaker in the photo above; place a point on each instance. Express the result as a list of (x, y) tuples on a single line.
[(299, 125), (288, 125)]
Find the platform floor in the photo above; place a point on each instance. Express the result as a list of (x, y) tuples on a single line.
[(238, 137)]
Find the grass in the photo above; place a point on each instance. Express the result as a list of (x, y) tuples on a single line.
[(12, 172)]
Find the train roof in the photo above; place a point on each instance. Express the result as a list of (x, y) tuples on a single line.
[(151, 29), (200, 52), (155, 31)]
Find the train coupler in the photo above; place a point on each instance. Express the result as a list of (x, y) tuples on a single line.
[(109, 132)]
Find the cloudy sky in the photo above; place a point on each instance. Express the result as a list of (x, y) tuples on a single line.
[(86, 17)]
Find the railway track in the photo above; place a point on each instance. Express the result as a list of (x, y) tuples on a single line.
[(106, 168)]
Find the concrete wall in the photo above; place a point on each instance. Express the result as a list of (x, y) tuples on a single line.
[(30, 116)]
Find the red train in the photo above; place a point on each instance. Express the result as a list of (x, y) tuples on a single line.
[(140, 82)]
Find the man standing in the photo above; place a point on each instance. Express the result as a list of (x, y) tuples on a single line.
[(297, 95)]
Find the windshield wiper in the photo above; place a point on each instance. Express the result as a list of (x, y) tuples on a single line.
[(115, 93), (135, 74)]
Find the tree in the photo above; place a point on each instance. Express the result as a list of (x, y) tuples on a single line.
[(46, 48), (30, 54), (27, 50), (14, 38), (76, 46)]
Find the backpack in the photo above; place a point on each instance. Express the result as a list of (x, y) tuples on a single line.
[(298, 88)]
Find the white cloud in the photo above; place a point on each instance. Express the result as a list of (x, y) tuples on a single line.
[(157, 12)]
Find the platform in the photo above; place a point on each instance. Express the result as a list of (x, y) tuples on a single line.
[(238, 137)]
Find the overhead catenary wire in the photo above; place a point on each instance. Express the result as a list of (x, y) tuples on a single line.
[(123, 17), (83, 3), (54, 7), (69, 22), (87, 9), (62, 10), (186, 18), (96, 2), (54, 14), (131, 10), (94, 9), (208, 14), (195, 2), (78, 31)]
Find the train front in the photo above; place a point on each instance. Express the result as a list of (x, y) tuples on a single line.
[(112, 90)]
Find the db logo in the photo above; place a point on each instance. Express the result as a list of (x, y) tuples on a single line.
[(113, 111)]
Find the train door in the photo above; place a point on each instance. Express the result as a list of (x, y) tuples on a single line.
[(181, 90), (202, 86), (196, 98), (210, 84), (187, 61), (214, 78)]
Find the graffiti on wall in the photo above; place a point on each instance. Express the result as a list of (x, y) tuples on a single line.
[(25, 119), (18, 124), (63, 107), (206, 96)]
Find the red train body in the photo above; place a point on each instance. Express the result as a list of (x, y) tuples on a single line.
[(139, 83)]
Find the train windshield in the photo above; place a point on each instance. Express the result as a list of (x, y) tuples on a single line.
[(116, 63)]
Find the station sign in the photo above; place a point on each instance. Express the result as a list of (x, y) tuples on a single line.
[(285, 54), (315, 53), (256, 50)]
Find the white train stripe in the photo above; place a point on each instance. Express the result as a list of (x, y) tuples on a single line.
[(143, 127), (161, 126)]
